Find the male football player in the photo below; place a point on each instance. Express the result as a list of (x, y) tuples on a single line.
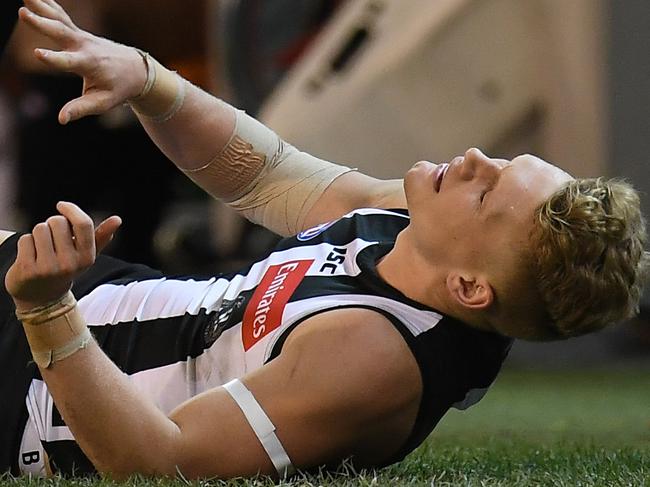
[(387, 303)]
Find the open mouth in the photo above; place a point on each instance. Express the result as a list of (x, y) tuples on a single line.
[(439, 175)]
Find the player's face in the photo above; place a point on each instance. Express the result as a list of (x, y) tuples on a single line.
[(476, 212)]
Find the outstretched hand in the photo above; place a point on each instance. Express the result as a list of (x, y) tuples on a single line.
[(55, 253), (112, 73)]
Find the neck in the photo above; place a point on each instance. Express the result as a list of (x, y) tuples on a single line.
[(423, 280), (414, 276)]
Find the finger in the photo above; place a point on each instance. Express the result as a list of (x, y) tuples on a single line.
[(55, 6), (24, 265), (105, 231), (93, 103), (61, 60), (50, 10), (41, 8), (62, 239), (82, 229), (45, 257), (54, 29), (26, 249), (64, 247)]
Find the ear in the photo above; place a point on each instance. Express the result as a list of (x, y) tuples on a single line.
[(470, 291)]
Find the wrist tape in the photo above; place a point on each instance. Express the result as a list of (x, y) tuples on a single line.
[(163, 93), (55, 331)]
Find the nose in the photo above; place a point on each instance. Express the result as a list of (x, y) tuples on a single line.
[(475, 163), (474, 153)]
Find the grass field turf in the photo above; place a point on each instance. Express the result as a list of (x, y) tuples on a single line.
[(560, 428)]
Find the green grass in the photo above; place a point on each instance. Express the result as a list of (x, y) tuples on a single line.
[(577, 428)]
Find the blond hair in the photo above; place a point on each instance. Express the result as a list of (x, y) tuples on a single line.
[(588, 252)]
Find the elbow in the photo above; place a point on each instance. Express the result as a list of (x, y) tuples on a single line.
[(151, 457)]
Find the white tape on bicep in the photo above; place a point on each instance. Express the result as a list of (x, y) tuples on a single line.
[(262, 426)]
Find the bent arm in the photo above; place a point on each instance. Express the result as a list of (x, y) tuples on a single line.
[(113, 424)]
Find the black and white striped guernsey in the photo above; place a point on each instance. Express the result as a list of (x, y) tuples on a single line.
[(177, 337)]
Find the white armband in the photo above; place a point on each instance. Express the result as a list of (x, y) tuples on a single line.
[(262, 426)]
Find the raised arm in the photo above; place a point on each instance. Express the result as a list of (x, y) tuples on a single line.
[(224, 151)]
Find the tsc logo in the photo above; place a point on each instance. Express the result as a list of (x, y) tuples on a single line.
[(335, 258), (264, 311)]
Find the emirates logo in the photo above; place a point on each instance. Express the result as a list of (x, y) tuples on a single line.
[(266, 307)]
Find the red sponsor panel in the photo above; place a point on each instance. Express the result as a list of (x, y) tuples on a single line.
[(264, 311)]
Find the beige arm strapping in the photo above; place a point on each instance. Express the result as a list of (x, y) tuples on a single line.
[(55, 331), (272, 183), (258, 174)]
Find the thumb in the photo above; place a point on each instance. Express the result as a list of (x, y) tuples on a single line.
[(92, 103), (105, 231)]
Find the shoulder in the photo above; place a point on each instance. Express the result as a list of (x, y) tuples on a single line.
[(352, 329), (360, 348)]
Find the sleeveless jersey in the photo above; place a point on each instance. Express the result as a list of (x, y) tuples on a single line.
[(177, 337)]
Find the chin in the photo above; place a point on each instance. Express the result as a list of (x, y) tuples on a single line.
[(409, 182), (417, 187)]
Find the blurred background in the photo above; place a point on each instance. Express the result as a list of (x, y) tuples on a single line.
[(376, 84)]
